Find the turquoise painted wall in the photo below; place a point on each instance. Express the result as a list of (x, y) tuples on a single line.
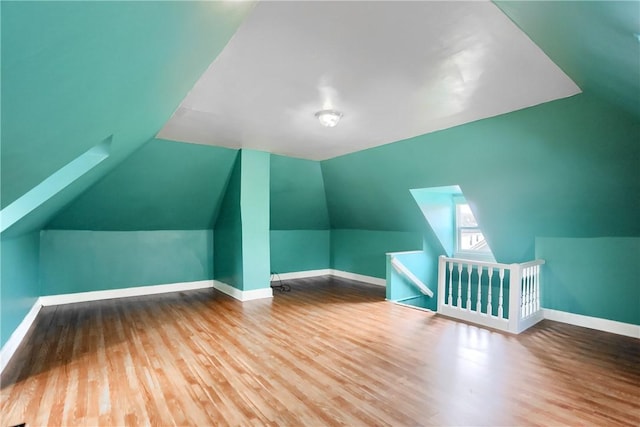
[(300, 250), (567, 168), (254, 205), (242, 252), (592, 41), (80, 261), (438, 209), (300, 236), (363, 251), (298, 200), (421, 264), (19, 287), (164, 185), (228, 232), (597, 277), (74, 73)]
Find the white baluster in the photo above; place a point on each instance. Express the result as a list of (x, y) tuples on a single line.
[(527, 309), (469, 271), (489, 308), (459, 302), (531, 291), (490, 274), (525, 292), (480, 271), (450, 282), (500, 298), (523, 300), (537, 303)]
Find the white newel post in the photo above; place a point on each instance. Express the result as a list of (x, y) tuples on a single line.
[(442, 278), (515, 295)]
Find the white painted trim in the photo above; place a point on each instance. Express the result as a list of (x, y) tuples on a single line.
[(12, 344), (331, 272), (415, 307), (242, 295), (359, 277), (600, 324), (123, 292), (402, 269), (300, 274), (405, 253)]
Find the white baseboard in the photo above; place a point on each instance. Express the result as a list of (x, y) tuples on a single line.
[(360, 277), (123, 293), (12, 344), (20, 332), (600, 324), (242, 295), (330, 272), (300, 274)]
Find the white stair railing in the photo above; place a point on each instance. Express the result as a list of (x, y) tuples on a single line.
[(402, 269), (474, 291)]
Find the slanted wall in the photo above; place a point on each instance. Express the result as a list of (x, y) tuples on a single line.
[(242, 252)]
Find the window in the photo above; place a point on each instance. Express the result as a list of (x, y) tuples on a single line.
[(470, 241)]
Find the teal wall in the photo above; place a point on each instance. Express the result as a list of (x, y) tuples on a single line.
[(597, 277), (422, 266), (438, 209), (228, 232), (254, 205), (54, 184), (80, 261), (74, 73), (77, 73), (363, 251), (19, 287), (298, 200), (242, 249), (566, 168), (300, 250), (164, 185), (593, 42), (300, 236)]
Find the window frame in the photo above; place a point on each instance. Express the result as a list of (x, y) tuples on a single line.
[(466, 254)]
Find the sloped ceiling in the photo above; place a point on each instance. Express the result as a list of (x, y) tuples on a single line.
[(163, 186), (566, 169), (596, 42), (74, 73), (395, 69)]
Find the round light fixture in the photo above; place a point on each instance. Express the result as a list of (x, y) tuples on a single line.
[(329, 118)]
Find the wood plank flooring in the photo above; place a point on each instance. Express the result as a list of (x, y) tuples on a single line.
[(330, 352)]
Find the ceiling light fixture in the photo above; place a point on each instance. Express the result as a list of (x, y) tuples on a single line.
[(329, 118)]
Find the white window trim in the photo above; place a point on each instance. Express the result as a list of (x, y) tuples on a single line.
[(471, 255)]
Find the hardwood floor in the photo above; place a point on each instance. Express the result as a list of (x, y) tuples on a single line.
[(330, 352)]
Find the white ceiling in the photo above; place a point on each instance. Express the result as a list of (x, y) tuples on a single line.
[(395, 69)]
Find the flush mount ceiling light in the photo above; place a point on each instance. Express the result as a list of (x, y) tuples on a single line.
[(329, 118)]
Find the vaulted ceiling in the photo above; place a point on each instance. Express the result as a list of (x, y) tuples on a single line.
[(75, 74), (597, 43), (394, 69)]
